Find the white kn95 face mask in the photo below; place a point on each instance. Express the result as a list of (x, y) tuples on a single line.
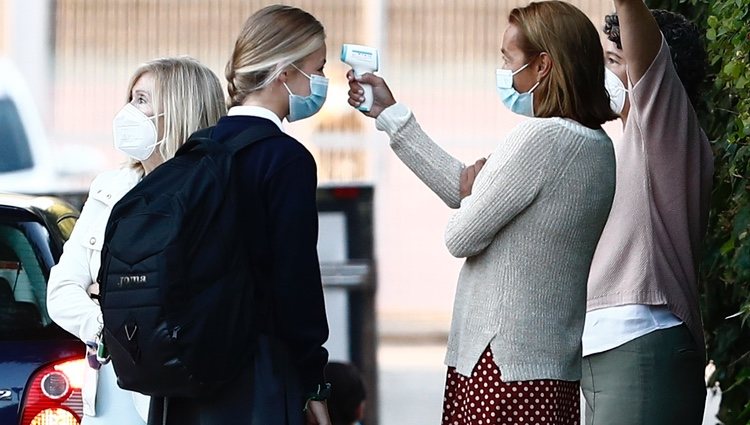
[(134, 133)]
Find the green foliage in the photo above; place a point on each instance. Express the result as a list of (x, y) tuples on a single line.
[(725, 274), (725, 271), (726, 267), (695, 10)]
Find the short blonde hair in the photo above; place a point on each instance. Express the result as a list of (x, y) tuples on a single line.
[(574, 87), (189, 95), (271, 39)]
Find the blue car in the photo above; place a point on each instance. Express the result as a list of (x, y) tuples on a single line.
[(41, 365)]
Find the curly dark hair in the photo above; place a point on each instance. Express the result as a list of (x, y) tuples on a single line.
[(685, 44)]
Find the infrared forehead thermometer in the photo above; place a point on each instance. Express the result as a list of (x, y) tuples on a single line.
[(362, 59)]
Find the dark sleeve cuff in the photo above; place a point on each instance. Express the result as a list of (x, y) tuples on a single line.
[(311, 374)]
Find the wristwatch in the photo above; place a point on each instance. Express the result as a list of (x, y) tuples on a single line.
[(321, 394)]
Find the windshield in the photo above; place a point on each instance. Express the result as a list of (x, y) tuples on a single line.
[(15, 154)]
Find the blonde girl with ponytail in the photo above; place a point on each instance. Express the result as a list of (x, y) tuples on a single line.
[(275, 73)]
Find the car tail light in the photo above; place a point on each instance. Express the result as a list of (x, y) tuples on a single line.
[(55, 417), (54, 396)]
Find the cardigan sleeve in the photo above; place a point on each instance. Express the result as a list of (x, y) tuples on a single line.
[(507, 184), (435, 167)]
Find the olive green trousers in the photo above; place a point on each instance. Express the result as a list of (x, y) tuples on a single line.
[(654, 379)]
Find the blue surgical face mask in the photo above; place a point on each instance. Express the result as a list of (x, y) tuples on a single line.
[(301, 107), (520, 103)]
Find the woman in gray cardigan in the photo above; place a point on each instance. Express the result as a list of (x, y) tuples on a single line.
[(527, 224)]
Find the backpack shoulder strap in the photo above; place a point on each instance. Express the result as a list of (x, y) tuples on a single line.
[(203, 140), (250, 136)]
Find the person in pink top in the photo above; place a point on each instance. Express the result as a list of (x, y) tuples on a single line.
[(643, 344)]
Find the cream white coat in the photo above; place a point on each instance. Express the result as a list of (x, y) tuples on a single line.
[(74, 277)]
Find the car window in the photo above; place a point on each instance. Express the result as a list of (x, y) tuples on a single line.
[(23, 312), (15, 153)]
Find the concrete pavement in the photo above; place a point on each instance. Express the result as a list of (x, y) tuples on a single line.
[(411, 379), (412, 376)]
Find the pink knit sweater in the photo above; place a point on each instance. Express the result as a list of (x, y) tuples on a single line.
[(650, 248)]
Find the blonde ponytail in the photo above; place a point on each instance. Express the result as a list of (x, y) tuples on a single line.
[(271, 39)]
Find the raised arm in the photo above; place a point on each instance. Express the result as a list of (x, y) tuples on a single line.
[(436, 168), (640, 36)]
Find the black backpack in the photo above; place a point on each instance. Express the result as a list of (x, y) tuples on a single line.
[(176, 288)]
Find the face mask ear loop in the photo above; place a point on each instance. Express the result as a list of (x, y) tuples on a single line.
[(520, 69), (287, 89), (284, 83), (155, 121), (535, 86), (155, 118), (301, 71), (156, 144)]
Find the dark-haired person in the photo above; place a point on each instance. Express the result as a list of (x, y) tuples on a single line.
[(346, 405), (643, 339), (527, 224)]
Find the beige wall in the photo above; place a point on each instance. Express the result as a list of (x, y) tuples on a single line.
[(98, 44), (438, 56), (432, 49)]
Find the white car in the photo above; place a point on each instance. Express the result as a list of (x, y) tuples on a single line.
[(28, 163), (25, 158)]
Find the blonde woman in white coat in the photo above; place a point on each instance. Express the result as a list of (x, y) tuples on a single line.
[(167, 100)]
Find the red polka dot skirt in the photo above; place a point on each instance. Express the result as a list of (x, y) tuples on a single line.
[(484, 399)]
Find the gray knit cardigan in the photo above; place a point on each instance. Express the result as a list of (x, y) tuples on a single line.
[(528, 232)]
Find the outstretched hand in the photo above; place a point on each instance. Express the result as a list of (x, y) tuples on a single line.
[(382, 96), (468, 175)]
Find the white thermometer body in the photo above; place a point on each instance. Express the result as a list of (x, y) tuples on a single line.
[(362, 59)]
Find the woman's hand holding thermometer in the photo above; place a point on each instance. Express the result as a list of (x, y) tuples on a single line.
[(362, 59)]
